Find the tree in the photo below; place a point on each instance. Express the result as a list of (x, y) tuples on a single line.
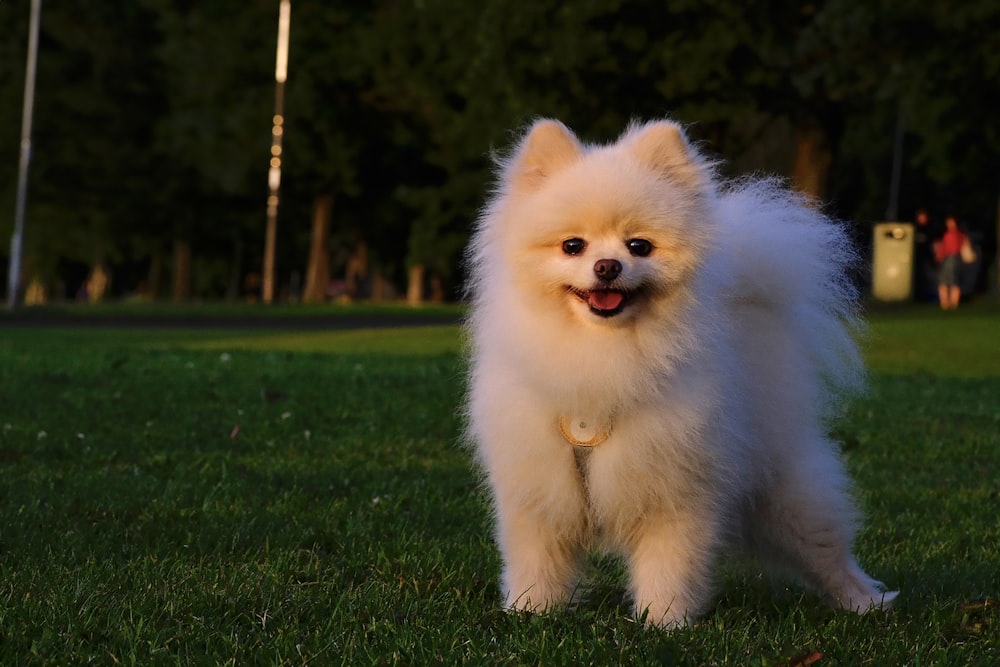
[(327, 130), (318, 271), (12, 72), (214, 134), (96, 93), (153, 120)]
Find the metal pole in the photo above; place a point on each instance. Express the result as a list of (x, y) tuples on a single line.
[(14, 270), (277, 130)]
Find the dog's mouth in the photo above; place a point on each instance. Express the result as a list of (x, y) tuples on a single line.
[(604, 302)]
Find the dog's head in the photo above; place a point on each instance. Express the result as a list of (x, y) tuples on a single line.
[(603, 232)]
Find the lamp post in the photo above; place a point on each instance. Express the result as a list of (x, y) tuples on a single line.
[(14, 270), (277, 130)]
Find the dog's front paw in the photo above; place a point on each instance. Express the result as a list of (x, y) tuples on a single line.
[(862, 603), (671, 618), (861, 594), (534, 599)]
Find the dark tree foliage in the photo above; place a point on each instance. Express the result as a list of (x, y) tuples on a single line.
[(97, 99), (153, 117)]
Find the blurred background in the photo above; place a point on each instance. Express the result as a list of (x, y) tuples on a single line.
[(153, 127)]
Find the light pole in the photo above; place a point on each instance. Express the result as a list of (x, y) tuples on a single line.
[(14, 270), (277, 129)]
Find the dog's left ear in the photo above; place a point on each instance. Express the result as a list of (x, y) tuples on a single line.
[(662, 146), (548, 147)]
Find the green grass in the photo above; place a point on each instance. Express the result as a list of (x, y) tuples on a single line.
[(253, 497), (222, 311)]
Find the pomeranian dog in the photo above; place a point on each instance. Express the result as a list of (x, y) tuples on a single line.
[(654, 355)]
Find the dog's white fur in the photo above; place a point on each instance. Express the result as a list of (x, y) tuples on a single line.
[(715, 378)]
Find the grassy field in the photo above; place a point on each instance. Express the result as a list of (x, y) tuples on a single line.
[(254, 497)]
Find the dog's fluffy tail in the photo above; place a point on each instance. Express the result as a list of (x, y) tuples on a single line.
[(797, 263)]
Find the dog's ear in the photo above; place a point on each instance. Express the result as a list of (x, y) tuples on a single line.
[(662, 146), (548, 147)]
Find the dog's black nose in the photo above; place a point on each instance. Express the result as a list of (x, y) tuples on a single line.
[(607, 269)]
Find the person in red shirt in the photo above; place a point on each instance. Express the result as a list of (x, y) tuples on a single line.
[(948, 252)]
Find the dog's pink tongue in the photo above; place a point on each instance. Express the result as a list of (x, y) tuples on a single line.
[(605, 299)]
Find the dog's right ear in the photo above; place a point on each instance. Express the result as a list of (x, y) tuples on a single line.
[(548, 147), (663, 146)]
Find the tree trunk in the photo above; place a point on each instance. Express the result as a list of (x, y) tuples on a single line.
[(356, 273), (155, 275), (381, 288), (182, 270), (415, 285), (318, 270), (35, 294), (97, 283), (811, 172), (437, 288)]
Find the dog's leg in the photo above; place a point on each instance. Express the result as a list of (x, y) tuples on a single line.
[(538, 496), (541, 558), (542, 523), (808, 522), (671, 564)]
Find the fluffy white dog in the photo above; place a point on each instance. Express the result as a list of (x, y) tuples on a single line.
[(654, 355)]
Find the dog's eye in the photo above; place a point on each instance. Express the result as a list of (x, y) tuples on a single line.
[(639, 247), (573, 246)]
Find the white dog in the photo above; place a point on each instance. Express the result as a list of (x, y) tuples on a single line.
[(654, 355)]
